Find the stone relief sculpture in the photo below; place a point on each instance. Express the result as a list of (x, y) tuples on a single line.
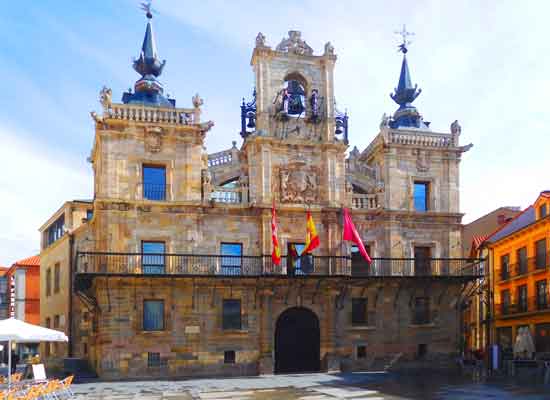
[(197, 101), (385, 121), (329, 49), (456, 129), (295, 44), (106, 97), (153, 139), (422, 161), (206, 184), (298, 184), (260, 40)]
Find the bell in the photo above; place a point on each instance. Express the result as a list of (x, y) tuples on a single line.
[(339, 130), (251, 121)]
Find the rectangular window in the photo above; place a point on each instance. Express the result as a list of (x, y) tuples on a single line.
[(153, 315), (359, 266), (89, 214), (229, 357), (55, 231), (231, 318), (154, 360), (421, 196), (522, 298), (540, 253), (232, 258), (361, 351), (505, 267), (505, 301), (543, 211), (154, 182), (47, 344), (542, 295), (422, 350), (422, 264), (56, 277), (421, 311), (49, 282), (153, 257), (522, 260), (359, 311)]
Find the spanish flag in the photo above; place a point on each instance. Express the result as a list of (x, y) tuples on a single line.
[(312, 239), (276, 253)]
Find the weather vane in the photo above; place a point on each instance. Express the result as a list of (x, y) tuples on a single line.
[(146, 6), (404, 33)]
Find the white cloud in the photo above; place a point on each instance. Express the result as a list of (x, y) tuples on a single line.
[(35, 182)]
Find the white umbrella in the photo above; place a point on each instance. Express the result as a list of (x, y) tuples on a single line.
[(12, 329)]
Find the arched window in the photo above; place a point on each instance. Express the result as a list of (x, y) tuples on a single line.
[(295, 88)]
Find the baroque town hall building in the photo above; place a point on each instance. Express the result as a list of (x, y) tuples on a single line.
[(167, 272)]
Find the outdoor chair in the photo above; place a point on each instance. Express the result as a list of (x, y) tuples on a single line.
[(66, 391)]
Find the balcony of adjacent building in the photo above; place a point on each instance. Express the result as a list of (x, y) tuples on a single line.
[(524, 267), (523, 307)]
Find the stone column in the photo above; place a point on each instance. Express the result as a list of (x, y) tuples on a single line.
[(330, 360), (266, 334)]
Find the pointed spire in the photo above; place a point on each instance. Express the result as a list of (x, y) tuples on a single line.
[(148, 62), (405, 93), (148, 90), (406, 115)]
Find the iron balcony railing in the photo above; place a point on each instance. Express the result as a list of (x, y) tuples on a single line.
[(231, 265), (525, 267), (530, 304)]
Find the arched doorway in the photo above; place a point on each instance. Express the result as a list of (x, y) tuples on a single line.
[(297, 341)]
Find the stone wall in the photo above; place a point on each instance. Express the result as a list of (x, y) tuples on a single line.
[(193, 341)]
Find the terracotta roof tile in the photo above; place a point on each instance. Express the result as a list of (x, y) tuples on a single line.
[(29, 261)]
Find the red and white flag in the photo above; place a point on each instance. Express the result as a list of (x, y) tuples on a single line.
[(351, 234), (276, 253)]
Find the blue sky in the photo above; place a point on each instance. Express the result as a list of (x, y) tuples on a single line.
[(483, 63)]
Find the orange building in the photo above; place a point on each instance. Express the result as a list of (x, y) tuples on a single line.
[(24, 290), (520, 274), (23, 279)]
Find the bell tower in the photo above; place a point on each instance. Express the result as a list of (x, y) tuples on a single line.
[(295, 138)]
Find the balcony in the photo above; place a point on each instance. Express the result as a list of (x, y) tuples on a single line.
[(528, 267), (154, 191), (365, 201), (102, 263), (531, 304)]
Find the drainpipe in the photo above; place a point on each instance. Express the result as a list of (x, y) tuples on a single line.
[(70, 316), (491, 306)]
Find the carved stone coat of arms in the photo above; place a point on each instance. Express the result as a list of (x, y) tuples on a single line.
[(298, 183)]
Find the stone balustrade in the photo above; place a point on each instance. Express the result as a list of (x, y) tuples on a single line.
[(220, 158), (235, 195), (426, 139), (177, 116), (365, 201)]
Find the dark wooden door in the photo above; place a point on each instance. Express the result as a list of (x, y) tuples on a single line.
[(422, 257), (297, 341)]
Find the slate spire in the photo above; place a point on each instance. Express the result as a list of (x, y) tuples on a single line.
[(406, 116), (148, 90)]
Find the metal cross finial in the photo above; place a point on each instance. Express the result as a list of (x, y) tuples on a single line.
[(404, 33), (146, 6)]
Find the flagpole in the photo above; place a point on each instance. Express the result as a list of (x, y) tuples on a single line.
[(9, 365)]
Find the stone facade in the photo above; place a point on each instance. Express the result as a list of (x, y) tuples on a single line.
[(293, 156)]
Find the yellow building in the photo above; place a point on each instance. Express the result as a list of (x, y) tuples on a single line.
[(520, 273)]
